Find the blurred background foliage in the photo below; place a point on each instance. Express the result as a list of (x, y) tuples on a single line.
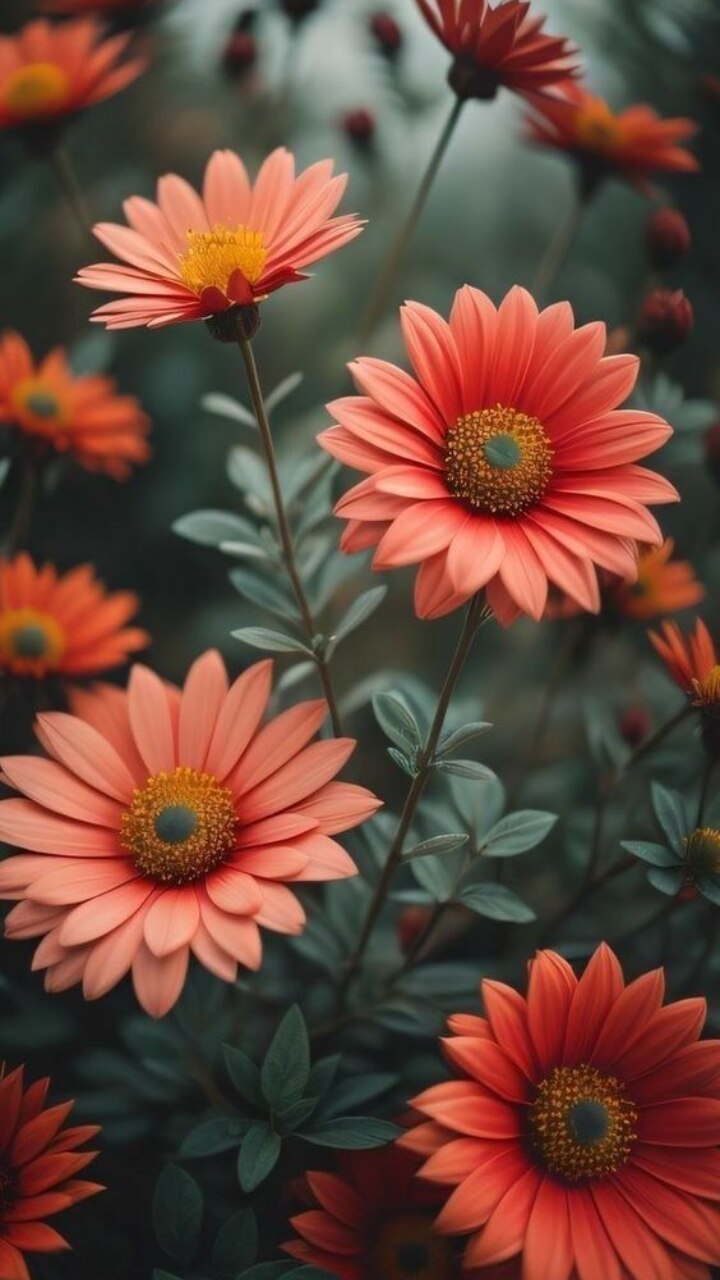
[(496, 205)]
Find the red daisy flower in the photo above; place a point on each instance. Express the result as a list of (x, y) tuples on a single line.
[(582, 1132), (692, 661), (39, 1161), (498, 44)]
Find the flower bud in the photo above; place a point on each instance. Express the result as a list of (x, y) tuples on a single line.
[(387, 34), (359, 126), (298, 10), (668, 238), (634, 726), (666, 320), (241, 50), (411, 923)]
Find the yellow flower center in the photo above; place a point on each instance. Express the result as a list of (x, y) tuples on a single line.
[(598, 129), (37, 90), (409, 1248), (214, 256), (31, 643), (707, 689), (38, 407), (702, 851), (498, 460), (583, 1124), (180, 826)]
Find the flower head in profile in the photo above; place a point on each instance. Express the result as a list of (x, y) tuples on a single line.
[(581, 1132), (504, 463), (167, 822), (49, 73), (193, 257), (54, 624), (663, 585), (496, 44), (694, 664), (82, 416), (634, 145), (40, 1159)]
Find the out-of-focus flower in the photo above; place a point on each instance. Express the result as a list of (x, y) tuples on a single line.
[(387, 34), (666, 320), (359, 126), (62, 624), (82, 416), (39, 1162), (634, 726), (48, 73), (667, 237), (167, 822), (495, 45), (634, 144), (583, 1127), (411, 924), (662, 586), (192, 257), (241, 49), (504, 463)]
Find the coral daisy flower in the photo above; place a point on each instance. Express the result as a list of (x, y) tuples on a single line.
[(692, 661), (167, 822), (62, 624), (663, 585), (79, 415), (582, 1131), (372, 1219), (49, 73), (39, 1161), (191, 257), (498, 44), (634, 144), (504, 463)]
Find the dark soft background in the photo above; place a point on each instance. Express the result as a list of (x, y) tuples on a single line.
[(495, 206)]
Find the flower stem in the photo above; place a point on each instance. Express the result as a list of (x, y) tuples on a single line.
[(285, 532), (22, 519), (67, 182), (386, 277), (473, 620), (558, 251)]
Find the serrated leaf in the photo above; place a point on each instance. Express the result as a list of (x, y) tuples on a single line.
[(258, 1156), (352, 1133), (670, 813), (210, 528), (459, 737), (275, 641), (436, 844), (226, 407), (518, 832), (497, 902), (465, 769), (396, 720), (286, 1069), (360, 610), (177, 1212), (658, 855), (236, 1243), (244, 1074)]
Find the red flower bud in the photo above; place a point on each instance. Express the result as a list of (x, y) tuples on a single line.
[(410, 924), (666, 320), (240, 54), (668, 238), (359, 126), (387, 34), (298, 10), (634, 726)]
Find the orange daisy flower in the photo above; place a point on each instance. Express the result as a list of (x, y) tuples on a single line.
[(692, 661), (79, 415), (112, 8), (62, 624), (634, 144), (39, 1161), (49, 73), (581, 1134), (372, 1219), (498, 44), (192, 257), (505, 464), (168, 822), (663, 585)]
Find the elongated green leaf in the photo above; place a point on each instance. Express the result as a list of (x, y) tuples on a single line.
[(225, 407), (275, 641), (211, 527), (658, 855), (177, 1213), (396, 720), (211, 1137), (244, 1074), (465, 769), (436, 844), (352, 1133), (282, 391), (236, 1243), (497, 902), (360, 610), (518, 832), (286, 1069), (258, 1156), (460, 737), (670, 813), (264, 591)]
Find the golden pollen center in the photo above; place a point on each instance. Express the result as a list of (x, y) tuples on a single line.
[(583, 1125), (708, 688), (36, 90), (31, 643), (498, 460), (702, 851), (408, 1247), (214, 256), (598, 129), (180, 826)]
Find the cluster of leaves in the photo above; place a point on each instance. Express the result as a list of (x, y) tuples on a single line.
[(677, 863)]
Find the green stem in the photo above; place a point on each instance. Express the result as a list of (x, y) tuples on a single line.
[(386, 277), (67, 181), (558, 251), (285, 532), (473, 619), (22, 519)]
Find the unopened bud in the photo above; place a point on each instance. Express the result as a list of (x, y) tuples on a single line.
[(668, 238), (387, 34), (666, 320)]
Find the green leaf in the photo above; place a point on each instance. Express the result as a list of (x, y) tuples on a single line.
[(438, 876), (288, 1119), (402, 761), (465, 769), (396, 720), (322, 1075), (359, 611), (436, 844), (210, 528), (352, 1133), (258, 1156), (177, 1212), (358, 1090), (497, 902), (236, 1243), (518, 832), (667, 881), (211, 1138), (282, 391), (275, 641), (459, 737), (286, 1069), (262, 590), (670, 813), (225, 407), (657, 854), (244, 1075), (248, 473)]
